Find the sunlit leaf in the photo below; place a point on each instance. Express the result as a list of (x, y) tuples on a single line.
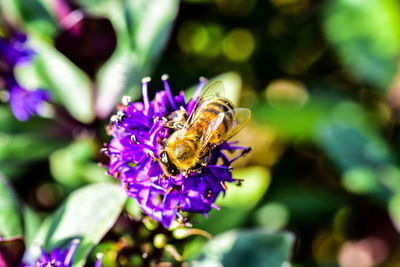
[(257, 247), (347, 135), (68, 84), (142, 32), (73, 165), (32, 223), (290, 124), (10, 215), (26, 146), (32, 15), (366, 35), (361, 155), (394, 210), (238, 201), (87, 214)]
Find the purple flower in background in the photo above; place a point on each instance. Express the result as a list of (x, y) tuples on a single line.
[(15, 51), (137, 132), (23, 102), (58, 258)]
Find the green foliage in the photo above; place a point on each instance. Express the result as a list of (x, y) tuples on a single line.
[(253, 248), (366, 36), (10, 215), (69, 85), (142, 29), (71, 165), (32, 15), (334, 144), (84, 215), (237, 202), (32, 223)]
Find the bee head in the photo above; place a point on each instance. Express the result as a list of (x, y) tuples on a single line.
[(167, 165)]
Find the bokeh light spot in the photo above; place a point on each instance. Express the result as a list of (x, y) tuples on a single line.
[(359, 180), (367, 252), (238, 44), (273, 215), (192, 37), (48, 194), (286, 94)]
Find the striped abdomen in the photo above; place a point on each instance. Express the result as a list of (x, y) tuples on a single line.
[(216, 111)]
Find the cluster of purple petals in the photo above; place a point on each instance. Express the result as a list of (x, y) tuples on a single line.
[(58, 258), (23, 102), (137, 131)]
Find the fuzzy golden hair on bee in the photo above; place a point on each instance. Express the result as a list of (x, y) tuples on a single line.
[(213, 120)]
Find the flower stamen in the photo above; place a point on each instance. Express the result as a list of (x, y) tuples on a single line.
[(146, 102), (167, 89)]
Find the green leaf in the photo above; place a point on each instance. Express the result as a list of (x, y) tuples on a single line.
[(33, 15), (21, 143), (10, 215), (292, 124), (73, 165), (87, 214), (26, 146), (362, 156), (142, 29), (366, 35), (394, 210), (238, 201), (252, 248), (32, 223), (69, 85), (348, 135)]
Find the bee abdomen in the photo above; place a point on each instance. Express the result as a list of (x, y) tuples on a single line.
[(209, 112)]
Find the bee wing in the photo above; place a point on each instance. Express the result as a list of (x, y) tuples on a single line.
[(215, 89), (240, 117)]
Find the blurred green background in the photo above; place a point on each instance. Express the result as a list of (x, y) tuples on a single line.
[(318, 76)]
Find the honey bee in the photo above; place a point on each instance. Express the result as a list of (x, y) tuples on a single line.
[(213, 121)]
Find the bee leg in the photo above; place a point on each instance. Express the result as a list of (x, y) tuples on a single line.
[(247, 150), (204, 161), (164, 142), (162, 176), (174, 125), (184, 113)]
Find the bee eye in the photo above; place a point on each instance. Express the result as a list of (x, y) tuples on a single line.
[(173, 172), (170, 166), (164, 157)]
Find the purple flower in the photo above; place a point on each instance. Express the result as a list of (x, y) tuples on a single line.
[(137, 132), (23, 102), (15, 51), (58, 258)]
